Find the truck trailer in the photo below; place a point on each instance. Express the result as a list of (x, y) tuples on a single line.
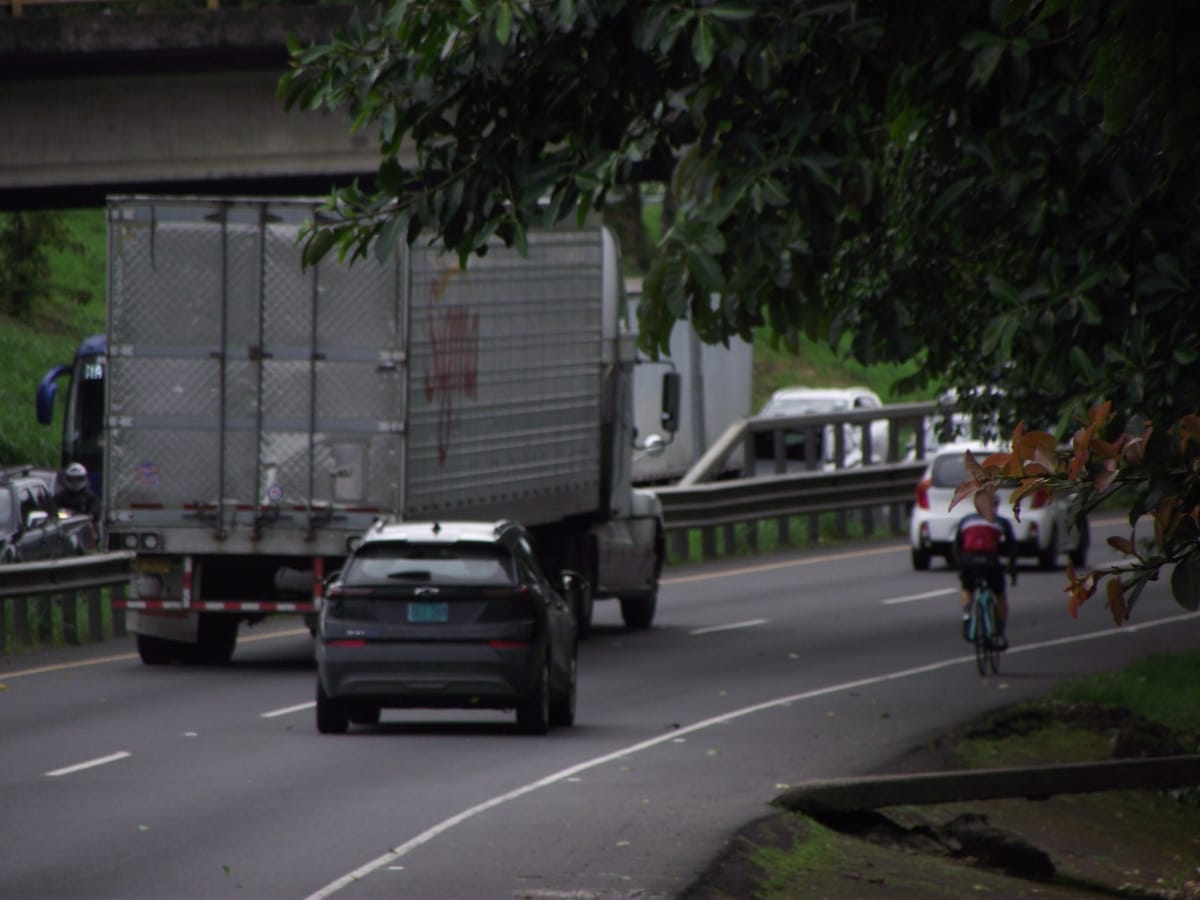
[(251, 417)]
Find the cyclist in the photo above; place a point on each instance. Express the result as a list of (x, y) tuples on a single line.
[(978, 544)]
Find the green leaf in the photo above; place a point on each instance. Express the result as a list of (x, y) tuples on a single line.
[(951, 195), (1081, 362), (983, 66), (504, 23), (566, 12), (705, 270), (702, 44), (319, 244), (389, 235), (1185, 582), (731, 13)]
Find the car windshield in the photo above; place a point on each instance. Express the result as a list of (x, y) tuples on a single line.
[(447, 564)]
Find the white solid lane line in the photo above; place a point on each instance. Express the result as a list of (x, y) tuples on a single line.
[(91, 763), (288, 710), (711, 628), (925, 596), (391, 858)]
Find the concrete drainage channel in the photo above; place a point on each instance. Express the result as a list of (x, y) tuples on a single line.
[(852, 806)]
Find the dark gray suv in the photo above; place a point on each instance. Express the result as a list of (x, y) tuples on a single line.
[(446, 615)]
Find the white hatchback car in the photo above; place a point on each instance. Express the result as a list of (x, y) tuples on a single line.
[(1048, 526)]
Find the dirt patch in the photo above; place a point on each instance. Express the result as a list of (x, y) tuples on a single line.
[(1137, 844)]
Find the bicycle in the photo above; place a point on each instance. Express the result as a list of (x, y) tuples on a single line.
[(982, 628)]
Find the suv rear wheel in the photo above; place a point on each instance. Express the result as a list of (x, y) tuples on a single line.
[(562, 709), (533, 715), (331, 715)]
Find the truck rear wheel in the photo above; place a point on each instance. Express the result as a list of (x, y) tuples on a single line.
[(216, 639), (638, 612), (156, 651)]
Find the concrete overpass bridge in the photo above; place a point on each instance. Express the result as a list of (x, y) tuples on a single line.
[(181, 101)]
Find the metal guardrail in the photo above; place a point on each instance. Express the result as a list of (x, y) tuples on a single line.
[(44, 600), (57, 576), (696, 503), (877, 486), (750, 499)]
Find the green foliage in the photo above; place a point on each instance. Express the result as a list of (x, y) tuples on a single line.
[(27, 242), (48, 336), (974, 179), (1006, 192), (1164, 688)]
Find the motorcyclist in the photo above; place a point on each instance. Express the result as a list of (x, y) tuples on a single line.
[(978, 544), (76, 495)]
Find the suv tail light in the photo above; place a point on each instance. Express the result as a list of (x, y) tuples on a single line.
[(923, 493), (507, 604)]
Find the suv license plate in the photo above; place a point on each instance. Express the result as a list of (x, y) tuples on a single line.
[(428, 612)]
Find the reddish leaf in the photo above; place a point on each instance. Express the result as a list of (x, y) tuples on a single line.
[(1116, 600), (1100, 413), (985, 502), (964, 490), (972, 466), (1125, 545), (1107, 474)]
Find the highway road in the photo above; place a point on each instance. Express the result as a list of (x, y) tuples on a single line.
[(118, 780)]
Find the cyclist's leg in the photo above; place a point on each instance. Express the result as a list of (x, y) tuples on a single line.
[(966, 579), (996, 581)]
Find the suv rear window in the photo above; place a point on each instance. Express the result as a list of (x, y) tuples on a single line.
[(400, 563)]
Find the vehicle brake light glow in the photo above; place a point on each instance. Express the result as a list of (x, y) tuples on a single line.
[(508, 645), (347, 642), (923, 493)]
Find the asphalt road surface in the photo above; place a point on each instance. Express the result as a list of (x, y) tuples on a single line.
[(118, 780)]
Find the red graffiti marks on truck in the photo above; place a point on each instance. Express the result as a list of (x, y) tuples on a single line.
[(454, 341)]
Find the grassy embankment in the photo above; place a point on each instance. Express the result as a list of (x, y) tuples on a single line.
[(1109, 843)]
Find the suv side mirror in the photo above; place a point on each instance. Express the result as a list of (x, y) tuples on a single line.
[(670, 402)]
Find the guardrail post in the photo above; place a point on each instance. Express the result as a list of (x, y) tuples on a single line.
[(4, 608), (730, 539), (43, 620), (783, 536), (69, 603), (679, 544), (839, 445), (119, 627), (708, 543), (20, 611), (95, 614)]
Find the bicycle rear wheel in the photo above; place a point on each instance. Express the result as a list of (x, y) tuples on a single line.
[(981, 652), (987, 657)]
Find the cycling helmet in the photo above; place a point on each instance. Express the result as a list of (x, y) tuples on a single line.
[(76, 476)]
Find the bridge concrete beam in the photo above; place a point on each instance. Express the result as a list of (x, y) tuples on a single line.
[(182, 102)]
